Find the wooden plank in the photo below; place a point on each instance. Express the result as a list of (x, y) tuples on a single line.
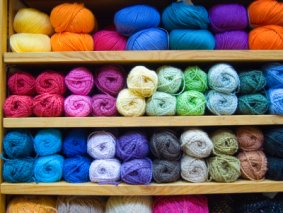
[(2, 203)]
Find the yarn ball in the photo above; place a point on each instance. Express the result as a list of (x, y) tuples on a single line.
[(129, 104), (76, 170), (164, 171), (73, 18), (220, 103), (77, 106), (16, 106), (48, 169), (109, 40), (193, 169), (110, 79), (232, 40), (149, 39), (252, 104), (274, 168), (179, 15), (170, 79), (274, 75), (137, 171), (75, 143), (79, 81), (195, 79), (18, 144), (105, 171), (18, 170), (273, 142), (165, 145), (224, 168), (224, 142), (21, 83), (196, 143), (103, 105), (191, 40), (253, 165), (161, 103), (249, 138), (275, 101), (252, 81), (101, 145), (223, 78), (190, 103), (132, 19), (221, 204), (132, 145), (47, 142)]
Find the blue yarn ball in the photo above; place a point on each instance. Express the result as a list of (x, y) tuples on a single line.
[(180, 15), (149, 39), (274, 75), (49, 168), (48, 142), (18, 144), (18, 170), (75, 143), (273, 142), (132, 19), (274, 168), (76, 170), (191, 40), (276, 101)]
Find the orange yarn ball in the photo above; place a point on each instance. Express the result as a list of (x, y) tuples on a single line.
[(73, 18), (249, 138)]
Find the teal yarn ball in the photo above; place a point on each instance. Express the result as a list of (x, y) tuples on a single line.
[(195, 79), (252, 81), (170, 79), (191, 40), (161, 103), (252, 104), (191, 103)]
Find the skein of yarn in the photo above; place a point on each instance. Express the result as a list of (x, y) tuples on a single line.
[(275, 98), (164, 171), (75, 143), (274, 168), (232, 40), (160, 104), (252, 104), (21, 83), (273, 74), (273, 143), (195, 79), (77, 106), (170, 79), (252, 81), (250, 138), (224, 142), (16, 106), (103, 105), (221, 204)]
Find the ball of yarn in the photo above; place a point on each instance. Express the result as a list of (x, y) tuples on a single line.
[(273, 143), (18, 170), (274, 168), (132, 19), (132, 145), (252, 81), (110, 79), (30, 20), (164, 171), (180, 15), (103, 105), (190, 103), (193, 169), (105, 171), (253, 165), (227, 17), (196, 143), (71, 42), (73, 18), (191, 40), (273, 74), (129, 104), (76, 170), (77, 106), (275, 101), (140, 40), (195, 79), (249, 138), (18, 144), (21, 83), (223, 78), (170, 79), (221, 204), (224, 168), (161, 103), (220, 103), (109, 40), (137, 171), (252, 104), (232, 40), (101, 145), (29, 42), (75, 143), (119, 204), (16, 106), (79, 81), (224, 142)]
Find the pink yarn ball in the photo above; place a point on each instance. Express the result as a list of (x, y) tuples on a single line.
[(109, 40), (77, 106), (21, 83), (104, 105), (16, 106), (80, 81)]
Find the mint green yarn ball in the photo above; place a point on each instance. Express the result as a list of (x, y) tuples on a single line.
[(191, 103), (195, 79)]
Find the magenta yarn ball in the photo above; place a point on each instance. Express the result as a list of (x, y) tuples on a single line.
[(77, 106), (109, 40), (104, 105)]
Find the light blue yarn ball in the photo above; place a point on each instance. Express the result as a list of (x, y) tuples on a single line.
[(132, 19), (276, 101), (191, 40), (149, 39), (48, 142), (274, 75), (48, 169)]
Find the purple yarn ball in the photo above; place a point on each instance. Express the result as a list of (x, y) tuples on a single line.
[(232, 40), (103, 105)]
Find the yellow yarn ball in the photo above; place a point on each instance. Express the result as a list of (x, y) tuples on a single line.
[(29, 20), (142, 81), (27, 42), (129, 104)]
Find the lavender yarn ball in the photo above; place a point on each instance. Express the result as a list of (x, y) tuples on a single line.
[(232, 40)]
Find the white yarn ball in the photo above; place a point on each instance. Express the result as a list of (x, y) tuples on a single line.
[(193, 169)]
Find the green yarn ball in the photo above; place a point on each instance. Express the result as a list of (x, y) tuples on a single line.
[(253, 104), (160, 104), (195, 79), (252, 81), (191, 103), (224, 142)]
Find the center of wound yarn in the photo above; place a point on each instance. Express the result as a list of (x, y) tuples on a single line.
[(224, 142), (164, 171), (195, 79), (250, 138), (252, 81), (252, 104), (160, 104), (21, 83), (104, 105), (75, 143), (77, 106)]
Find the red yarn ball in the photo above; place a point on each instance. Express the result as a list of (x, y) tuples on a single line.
[(109, 40), (18, 106), (21, 83)]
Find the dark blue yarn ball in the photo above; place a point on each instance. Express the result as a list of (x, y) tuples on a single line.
[(75, 143), (274, 168), (274, 75), (273, 142)]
